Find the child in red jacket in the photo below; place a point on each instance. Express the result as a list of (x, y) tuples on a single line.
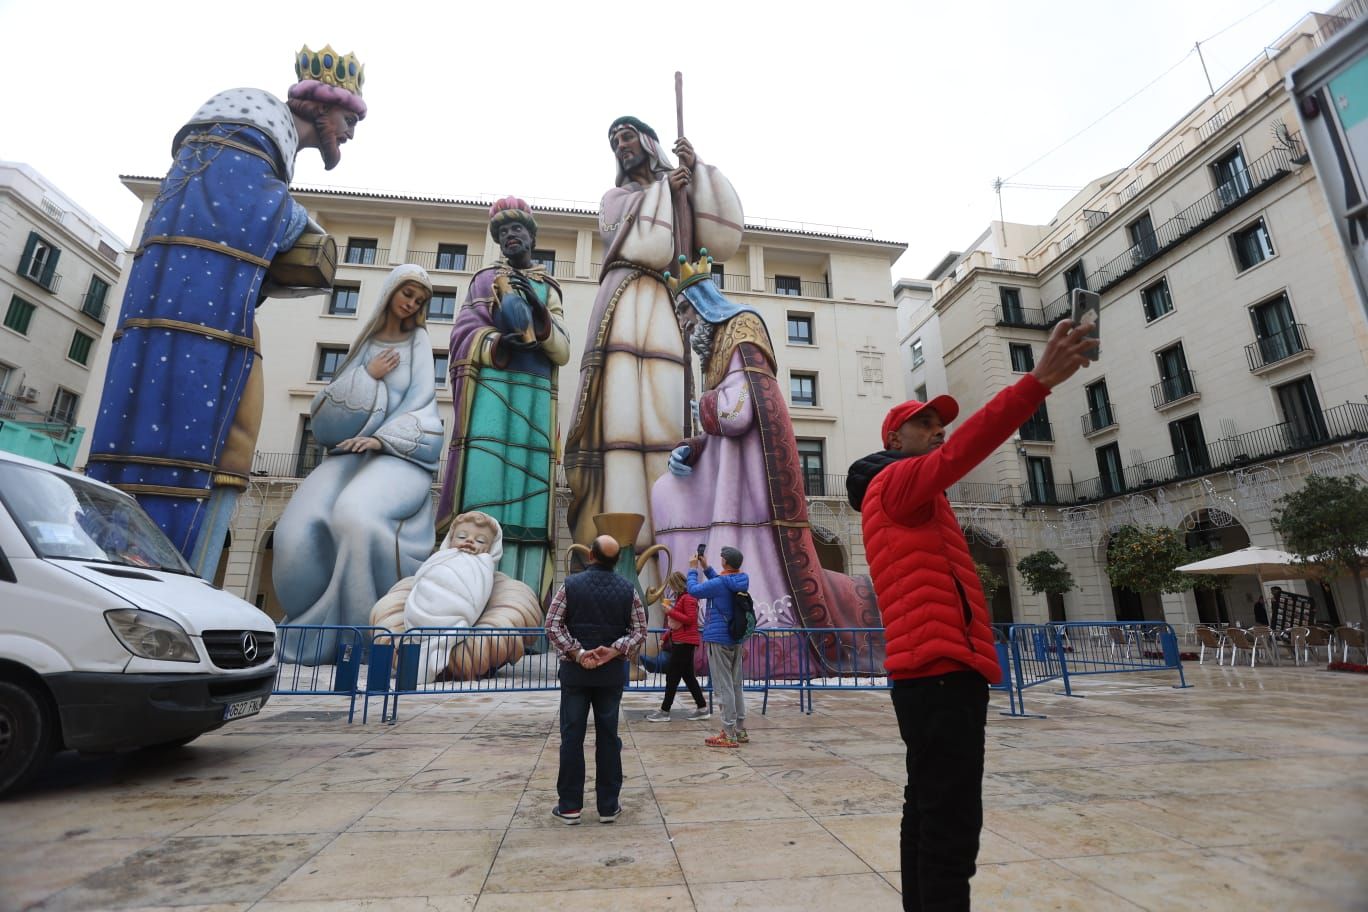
[(683, 640)]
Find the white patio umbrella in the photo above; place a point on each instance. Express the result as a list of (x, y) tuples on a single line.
[(1263, 563)]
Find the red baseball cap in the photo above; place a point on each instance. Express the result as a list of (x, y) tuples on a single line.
[(944, 406)]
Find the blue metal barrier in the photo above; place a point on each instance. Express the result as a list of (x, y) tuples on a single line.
[(494, 660)]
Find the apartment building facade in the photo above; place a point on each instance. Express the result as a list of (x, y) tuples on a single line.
[(1234, 353), (826, 297), (57, 269)]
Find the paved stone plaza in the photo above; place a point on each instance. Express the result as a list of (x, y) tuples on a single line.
[(1246, 792)]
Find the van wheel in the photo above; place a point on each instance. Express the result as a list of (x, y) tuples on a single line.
[(27, 734)]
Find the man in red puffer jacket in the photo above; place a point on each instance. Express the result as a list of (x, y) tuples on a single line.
[(940, 655)]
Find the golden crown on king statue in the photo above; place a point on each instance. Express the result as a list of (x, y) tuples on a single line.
[(331, 68), (689, 273)]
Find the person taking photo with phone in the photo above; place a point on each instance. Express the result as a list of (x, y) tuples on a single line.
[(939, 638)]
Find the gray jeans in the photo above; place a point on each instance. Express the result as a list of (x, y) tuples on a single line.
[(724, 668)]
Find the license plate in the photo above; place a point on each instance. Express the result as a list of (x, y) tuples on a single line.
[(242, 708)]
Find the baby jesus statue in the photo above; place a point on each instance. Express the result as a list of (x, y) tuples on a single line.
[(458, 587)]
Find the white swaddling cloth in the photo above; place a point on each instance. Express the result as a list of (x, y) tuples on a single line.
[(450, 589)]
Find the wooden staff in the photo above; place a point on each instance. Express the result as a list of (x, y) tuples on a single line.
[(679, 104)]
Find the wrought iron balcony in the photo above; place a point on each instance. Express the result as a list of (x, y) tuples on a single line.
[(445, 261), (94, 307), (1260, 173), (1036, 430), (979, 492), (804, 288), (1277, 347), (1172, 389), (1097, 420), (366, 256), (286, 465)]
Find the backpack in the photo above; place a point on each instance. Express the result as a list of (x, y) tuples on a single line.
[(742, 623)]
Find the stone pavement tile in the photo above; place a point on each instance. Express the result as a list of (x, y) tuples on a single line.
[(1042, 886), (799, 771), (299, 812), (534, 809), (104, 816), (999, 759), (1254, 816), (440, 903), (201, 869), (714, 765), (1331, 867), (702, 803), (1063, 830), (378, 865), (996, 849), (648, 899), (721, 852), (584, 857), (873, 837), (475, 810), (850, 795), (1196, 880), (867, 892), (28, 873), (363, 769)]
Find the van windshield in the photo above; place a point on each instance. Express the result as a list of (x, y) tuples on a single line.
[(68, 518)]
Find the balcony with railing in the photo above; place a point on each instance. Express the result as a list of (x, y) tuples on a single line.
[(367, 256), (1333, 425), (1034, 317), (802, 288), (1097, 420), (445, 261), (286, 465), (1278, 348), (1172, 390), (1261, 173)]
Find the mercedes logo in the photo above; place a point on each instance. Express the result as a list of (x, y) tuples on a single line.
[(249, 646)]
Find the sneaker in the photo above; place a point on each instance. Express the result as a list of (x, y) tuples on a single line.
[(658, 715), (609, 818), (742, 736), (569, 818), (700, 713), (721, 740)]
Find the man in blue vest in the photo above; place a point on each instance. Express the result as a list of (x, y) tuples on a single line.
[(595, 621)]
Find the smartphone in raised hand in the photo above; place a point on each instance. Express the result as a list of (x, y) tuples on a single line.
[(1087, 311)]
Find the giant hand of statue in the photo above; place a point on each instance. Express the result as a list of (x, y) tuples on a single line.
[(458, 588)]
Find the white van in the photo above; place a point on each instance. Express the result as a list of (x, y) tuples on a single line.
[(108, 641)]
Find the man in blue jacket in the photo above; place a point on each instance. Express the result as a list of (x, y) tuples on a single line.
[(724, 653)]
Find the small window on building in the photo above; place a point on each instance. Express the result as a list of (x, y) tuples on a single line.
[(39, 261), (1011, 305), (19, 315), (1189, 446), (329, 359), (451, 256), (546, 259), (80, 347), (361, 251), (441, 362), (788, 285), (344, 300), (803, 389), (800, 329), (719, 275), (94, 303), (310, 452), (442, 305), (1109, 470), (1156, 300), (1305, 422), (1075, 277), (1232, 176), (1144, 244), (1040, 479), (920, 393), (918, 353), (813, 464), (1023, 358), (1252, 245), (1099, 406), (1175, 380), (64, 406)]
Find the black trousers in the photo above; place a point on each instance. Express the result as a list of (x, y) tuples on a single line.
[(942, 721), (681, 667), (575, 703)]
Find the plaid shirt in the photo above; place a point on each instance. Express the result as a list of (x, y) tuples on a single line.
[(565, 644)]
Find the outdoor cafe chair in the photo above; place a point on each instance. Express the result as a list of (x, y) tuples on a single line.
[(1241, 640), (1121, 640), (1264, 632), (1210, 639), (1351, 638), (1318, 638)]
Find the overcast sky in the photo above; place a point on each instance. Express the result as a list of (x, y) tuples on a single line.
[(888, 117)]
